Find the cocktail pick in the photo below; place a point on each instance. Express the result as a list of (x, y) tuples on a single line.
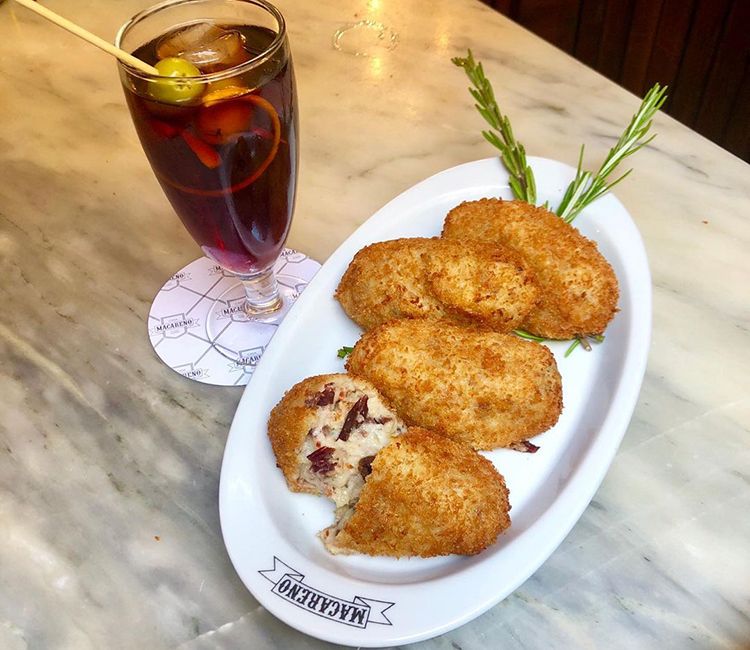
[(122, 55)]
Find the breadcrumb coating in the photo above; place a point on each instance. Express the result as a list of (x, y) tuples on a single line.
[(481, 387), (578, 287), (426, 496), (460, 281)]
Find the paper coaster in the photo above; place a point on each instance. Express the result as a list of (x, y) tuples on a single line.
[(177, 320)]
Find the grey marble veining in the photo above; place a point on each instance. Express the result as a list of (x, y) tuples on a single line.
[(109, 462)]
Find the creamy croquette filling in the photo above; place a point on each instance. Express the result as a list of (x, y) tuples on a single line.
[(350, 429), (329, 535)]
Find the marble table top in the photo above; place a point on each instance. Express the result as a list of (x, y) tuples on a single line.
[(109, 461)]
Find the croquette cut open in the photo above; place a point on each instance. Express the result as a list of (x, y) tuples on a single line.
[(326, 430), (397, 492)]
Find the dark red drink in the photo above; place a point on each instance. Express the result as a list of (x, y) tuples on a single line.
[(226, 157)]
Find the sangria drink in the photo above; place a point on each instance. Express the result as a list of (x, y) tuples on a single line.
[(219, 127)]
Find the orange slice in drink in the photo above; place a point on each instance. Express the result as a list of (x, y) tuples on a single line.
[(216, 95), (219, 120), (208, 159)]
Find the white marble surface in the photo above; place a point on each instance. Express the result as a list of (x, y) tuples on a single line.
[(109, 462)]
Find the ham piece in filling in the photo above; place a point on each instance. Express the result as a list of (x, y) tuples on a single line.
[(352, 426)]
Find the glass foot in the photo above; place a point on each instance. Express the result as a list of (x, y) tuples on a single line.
[(202, 292), (230, 326)]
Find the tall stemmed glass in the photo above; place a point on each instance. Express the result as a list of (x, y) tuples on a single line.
[(219, 127)]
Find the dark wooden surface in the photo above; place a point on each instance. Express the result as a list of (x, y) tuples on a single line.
[(699, 48)]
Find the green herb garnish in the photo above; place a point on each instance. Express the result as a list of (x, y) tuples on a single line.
[(529, 336), (344, 352), (501, 135), (587, 187), (584, 343)]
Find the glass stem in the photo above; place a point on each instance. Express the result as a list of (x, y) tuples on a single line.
[(262, 292)]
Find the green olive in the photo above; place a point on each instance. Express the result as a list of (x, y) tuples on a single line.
[(178, 89)]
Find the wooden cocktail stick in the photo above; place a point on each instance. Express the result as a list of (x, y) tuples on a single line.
[(124, 56)]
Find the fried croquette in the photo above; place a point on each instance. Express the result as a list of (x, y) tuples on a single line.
[(464, 282), (426, 495), (480, 387), (578, 287), (325, 429)]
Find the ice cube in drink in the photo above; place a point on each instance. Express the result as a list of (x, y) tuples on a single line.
[(207, 46)]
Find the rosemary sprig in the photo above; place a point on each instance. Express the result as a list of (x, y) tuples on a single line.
[(587, 187), (572, 347), (501, 134), (529, 336), (344, 352), (584, 343)]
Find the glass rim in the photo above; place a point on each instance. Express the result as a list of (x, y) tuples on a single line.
[(211, 76)]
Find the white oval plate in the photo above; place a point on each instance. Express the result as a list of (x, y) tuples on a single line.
[(270, 533)]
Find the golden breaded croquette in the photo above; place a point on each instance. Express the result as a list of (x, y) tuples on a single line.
[(322, 429), (396, 492), (484, 388), (464, 282), (426, 495), (579, 290)]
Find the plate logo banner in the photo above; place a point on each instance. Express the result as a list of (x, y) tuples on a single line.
[(358, 612)]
